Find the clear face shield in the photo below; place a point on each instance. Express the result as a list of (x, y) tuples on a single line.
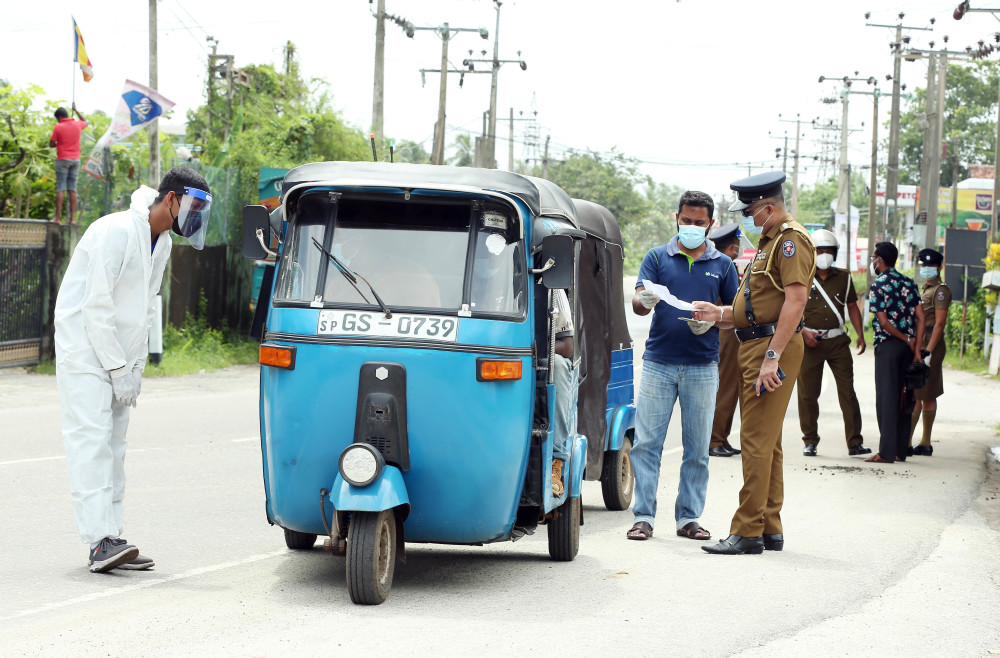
[(192, 219)]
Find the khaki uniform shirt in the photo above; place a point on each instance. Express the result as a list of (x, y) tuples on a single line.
[(936, 296), (785, 255), (839, 288)]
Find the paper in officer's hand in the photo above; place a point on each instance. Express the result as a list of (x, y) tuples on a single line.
[(666, 295)]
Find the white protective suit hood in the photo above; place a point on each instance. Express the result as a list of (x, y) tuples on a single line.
[(107, 297)]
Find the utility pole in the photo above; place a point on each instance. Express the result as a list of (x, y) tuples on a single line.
[(154, 130), (444, 32), (210, 92), (795, 174), (928, 192), (545, 158), (510, 143), (378, 89), (872, 186)]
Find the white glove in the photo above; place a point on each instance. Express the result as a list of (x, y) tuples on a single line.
[(648, 298), (927, 360), (123, 385), (698, 327), (137, 375)]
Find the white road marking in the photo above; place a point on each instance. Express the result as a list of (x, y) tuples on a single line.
[(87, 598), (34, 459)]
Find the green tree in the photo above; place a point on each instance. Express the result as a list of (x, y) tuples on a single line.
[(463, 156), (407, 151), (27, 163), (969, 122), (614, 182)]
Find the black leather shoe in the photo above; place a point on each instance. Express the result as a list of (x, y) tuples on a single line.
[(859, 450), (925, 451), (719, 451), (774, 542), (809, 450), (732, 450), (736, 545)]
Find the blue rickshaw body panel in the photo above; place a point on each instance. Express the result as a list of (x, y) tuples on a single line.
[(386, 492), (308, 419), (621, 399)]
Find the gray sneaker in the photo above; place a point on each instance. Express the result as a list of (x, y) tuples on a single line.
[(111, 553), (140, 563)]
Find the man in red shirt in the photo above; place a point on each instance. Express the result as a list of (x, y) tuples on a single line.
[(66, 141)]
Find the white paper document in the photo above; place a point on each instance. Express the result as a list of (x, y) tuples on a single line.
[(667, 296)]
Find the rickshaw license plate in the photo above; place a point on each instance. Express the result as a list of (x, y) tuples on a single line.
[(376, 325)]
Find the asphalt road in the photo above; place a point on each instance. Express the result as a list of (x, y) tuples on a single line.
[(891, 560)]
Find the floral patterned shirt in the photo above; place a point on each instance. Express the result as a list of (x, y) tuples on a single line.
[(898, 297)]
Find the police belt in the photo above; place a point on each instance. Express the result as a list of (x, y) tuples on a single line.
[(756, 331), (822, 334)]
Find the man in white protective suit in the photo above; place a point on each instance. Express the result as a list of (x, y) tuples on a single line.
[(103, 313)]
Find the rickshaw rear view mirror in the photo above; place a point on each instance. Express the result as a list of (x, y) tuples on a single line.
[(559, 250), (256, 232)]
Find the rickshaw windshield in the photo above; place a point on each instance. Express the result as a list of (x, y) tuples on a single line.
[(413, 255)]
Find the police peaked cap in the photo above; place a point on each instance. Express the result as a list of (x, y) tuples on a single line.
[(725, 234), (754, 188), (930, 257)]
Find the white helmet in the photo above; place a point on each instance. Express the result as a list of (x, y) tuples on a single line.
[(824, 238)]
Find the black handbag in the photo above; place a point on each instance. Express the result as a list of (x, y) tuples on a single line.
[(916, 375)]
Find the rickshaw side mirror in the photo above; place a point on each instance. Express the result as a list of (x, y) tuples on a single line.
[(256, 232), (558, 248)]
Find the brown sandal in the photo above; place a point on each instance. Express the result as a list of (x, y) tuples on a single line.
[(694, 531), (641, 531)]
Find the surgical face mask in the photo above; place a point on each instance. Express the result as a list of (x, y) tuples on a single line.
[(748, 224), (928, 272), (824, 261), (691, 236), (871, 269)]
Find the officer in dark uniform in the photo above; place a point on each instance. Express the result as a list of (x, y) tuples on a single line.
[(935, 298), (767, 314), (727, 240)]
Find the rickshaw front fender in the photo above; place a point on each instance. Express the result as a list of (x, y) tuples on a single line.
[(622, 420), (579, 465), (387, 492)]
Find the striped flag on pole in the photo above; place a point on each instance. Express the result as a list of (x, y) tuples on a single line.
[(80, 54)]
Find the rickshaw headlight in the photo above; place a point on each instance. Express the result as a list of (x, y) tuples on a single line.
[(361, 464)]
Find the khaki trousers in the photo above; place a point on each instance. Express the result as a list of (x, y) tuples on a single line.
[(837, 353), (729, 387), (761, 418)]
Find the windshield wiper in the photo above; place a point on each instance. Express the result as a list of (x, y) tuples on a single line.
[(352, 278)]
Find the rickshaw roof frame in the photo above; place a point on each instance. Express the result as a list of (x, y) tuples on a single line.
[(542, 197), (598, 221)]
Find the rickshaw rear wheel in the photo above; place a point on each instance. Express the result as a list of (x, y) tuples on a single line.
[(299, 540), (371, 556), (618, 478), (564, 531)]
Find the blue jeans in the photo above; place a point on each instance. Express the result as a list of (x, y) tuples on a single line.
[(564, 422), (660, 387)]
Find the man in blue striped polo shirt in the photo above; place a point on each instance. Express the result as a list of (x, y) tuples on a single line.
[(680, 363)]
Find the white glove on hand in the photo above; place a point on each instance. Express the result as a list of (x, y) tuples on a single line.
[(137, 375), (698, 327), (927, 360), (648, 298), (123, 385)]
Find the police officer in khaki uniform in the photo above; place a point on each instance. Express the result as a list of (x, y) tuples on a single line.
[(767, 314), (935, 298), (827, 342), (727, 240)]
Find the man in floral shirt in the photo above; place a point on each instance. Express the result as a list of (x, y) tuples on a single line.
[(898, 318)]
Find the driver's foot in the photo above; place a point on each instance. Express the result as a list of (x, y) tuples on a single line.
[(557, 483)]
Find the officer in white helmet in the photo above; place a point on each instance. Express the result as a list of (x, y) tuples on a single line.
[(102, 317), (832, 300)]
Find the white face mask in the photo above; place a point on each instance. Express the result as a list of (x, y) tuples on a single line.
[(871, 269), (824, 261)]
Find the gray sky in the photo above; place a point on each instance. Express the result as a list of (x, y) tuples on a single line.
[(688, 87)]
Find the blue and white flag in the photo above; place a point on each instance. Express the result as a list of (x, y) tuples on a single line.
[(138, 106)]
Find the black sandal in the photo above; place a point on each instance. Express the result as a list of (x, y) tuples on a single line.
[(641, 531), (694, 531)]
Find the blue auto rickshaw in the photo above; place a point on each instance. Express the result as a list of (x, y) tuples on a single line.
[(406, 332)]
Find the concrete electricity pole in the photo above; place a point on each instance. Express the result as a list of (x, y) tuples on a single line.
[(445, 32), (154, 131), (378, 89)]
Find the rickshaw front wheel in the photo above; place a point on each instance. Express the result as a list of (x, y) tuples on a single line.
[(564, 531), (617, 477), (371, 556), (299, 540)]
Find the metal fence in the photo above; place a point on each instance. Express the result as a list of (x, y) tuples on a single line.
[(23, 257)]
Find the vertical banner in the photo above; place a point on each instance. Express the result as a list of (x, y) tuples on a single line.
[(138, 106)]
